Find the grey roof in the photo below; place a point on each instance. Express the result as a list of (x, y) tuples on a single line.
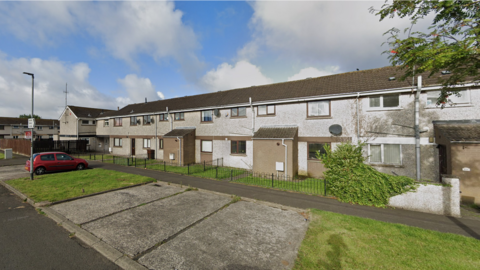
[(84, 112), (460, 132), (275, 133), (350, 82), (178, 132), (24, 121)]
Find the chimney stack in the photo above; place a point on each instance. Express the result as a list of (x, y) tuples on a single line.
[(145, 100), (118, 108)]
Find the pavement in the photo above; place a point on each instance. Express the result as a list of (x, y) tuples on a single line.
[(30, 240), (463, 226), (167, 226)]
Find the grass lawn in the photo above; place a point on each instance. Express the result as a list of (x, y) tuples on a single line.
[(335, 241), (309, 185), (196, 170), (59, 186), (2, 155)]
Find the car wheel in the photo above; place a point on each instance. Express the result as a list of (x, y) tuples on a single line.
[(40, 170), (80, 166)]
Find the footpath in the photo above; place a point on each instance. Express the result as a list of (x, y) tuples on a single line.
[(462, 226)]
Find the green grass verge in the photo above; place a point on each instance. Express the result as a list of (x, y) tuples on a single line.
[(60, 186), (335, 241), (2, 155), (309, 185)]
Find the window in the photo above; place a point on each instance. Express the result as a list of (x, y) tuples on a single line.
[(314, 148), (179, 116), (118, 122), (160, 143), (146, 143), (239, 112), (266, 110), (318, 108), (2, 127), (50, 127), (93, 122), (133, 120), (84, 122), (15, 127), (147, 119), (207, 116), (463, 97), (385, 101), (39, 127), (385, 154), (163, 117), (25, 126), (15, 137), (50, 136), (239, 147), (207, 146), (117, 142), (49, 157), (106, 123), (63, 157)]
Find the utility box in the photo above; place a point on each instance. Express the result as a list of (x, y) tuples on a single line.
[(8, 153), (279, 166)]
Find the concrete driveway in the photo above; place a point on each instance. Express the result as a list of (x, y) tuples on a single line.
[(13, 172), (162, 226)]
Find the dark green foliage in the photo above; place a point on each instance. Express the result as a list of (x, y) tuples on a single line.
[(29, 116), (351, 180)]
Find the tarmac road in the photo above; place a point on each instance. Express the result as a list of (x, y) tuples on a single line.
[(30, 240)]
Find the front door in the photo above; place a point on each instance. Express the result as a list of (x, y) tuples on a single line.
[(133, 147), (442, 160)]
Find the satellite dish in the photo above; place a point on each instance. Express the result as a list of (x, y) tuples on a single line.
[(335, 130)]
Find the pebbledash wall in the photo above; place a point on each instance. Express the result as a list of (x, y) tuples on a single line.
[(376, 126)]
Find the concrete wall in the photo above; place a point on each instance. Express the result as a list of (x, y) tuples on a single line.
[(267, 152), (434, 199), (465, 160)]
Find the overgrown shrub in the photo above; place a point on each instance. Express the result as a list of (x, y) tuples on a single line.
[(351, 180)]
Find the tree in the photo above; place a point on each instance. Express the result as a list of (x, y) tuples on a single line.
[(30, 116), (451, 43)]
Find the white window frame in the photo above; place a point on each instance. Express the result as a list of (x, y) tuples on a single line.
[(106, 123), (202, 148), (146, 143), (318, 102), (382, 154), (39, 128), (269, 110), (203, 116), (381, 107), (452, 97), (117, 142)]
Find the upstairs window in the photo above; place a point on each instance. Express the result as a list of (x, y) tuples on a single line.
[(84, 122), (50, 127), (179, 116), (106, 123), (318, 108), (133, 121), (39, 127), (118, 122), (385, 101), (163, 117), (266, 110), (147, 119), (240, 112), (2, 127), (15, 127), (463, 98), (207, 116)]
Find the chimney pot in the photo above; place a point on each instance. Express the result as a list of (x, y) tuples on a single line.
[(118, 108)]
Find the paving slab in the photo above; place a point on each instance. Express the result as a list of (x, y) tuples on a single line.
[(87, 209), (13, 172), (135, 230), (244, 235)]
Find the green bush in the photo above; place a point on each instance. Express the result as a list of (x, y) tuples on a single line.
[(351, 180)]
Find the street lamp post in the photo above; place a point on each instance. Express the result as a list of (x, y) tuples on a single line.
[(31, 134)]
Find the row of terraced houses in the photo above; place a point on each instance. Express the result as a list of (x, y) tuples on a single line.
[(280, 127)]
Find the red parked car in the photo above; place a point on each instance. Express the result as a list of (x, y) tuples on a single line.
[(55, 161)]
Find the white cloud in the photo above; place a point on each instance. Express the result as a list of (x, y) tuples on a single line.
[(312, 72), (138, 88), (50, 79), (160, 95), (342, 33), (226, 77), (127, 29)]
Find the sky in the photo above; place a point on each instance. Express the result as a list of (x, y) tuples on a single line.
[(110, 54)]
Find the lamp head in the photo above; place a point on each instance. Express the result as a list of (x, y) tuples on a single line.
[(31, 74)]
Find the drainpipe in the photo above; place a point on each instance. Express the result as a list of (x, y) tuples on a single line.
[(77, 128), (358, 121), (253, 116), (170, 119), (417, 127), (286, 157), (156, 139), (179, 150)]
